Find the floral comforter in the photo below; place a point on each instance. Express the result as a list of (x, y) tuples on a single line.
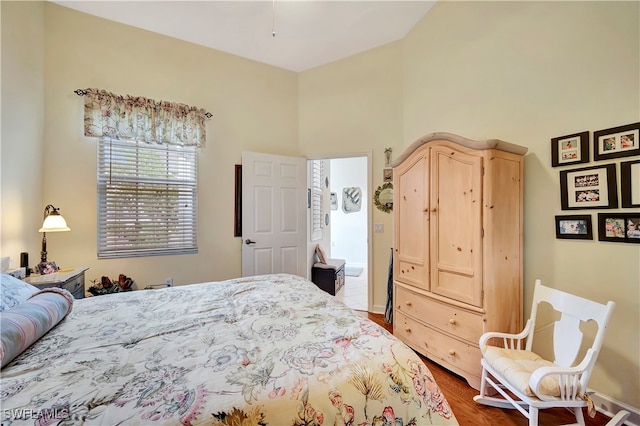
[(264, 350)]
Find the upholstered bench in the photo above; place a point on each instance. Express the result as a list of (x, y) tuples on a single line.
[(329, 276)]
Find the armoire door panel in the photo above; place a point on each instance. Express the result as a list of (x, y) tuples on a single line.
[(456, 225), (411, 196), (412, 273)]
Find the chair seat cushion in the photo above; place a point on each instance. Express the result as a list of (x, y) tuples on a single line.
[(516, 367)]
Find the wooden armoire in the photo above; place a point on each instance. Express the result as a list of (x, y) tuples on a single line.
[(457, 264)]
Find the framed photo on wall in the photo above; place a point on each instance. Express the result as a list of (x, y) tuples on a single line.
[(570, 149), (619, 227), (387, 174), (589, 188), (575, 227), (630, 183), (623, 141)]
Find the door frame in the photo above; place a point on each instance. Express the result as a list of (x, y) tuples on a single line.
[(369, 157)]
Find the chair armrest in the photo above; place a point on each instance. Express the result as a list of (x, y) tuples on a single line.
[(509, 340), (572, 381)]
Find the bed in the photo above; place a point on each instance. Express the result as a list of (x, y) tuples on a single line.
[(263, 350)]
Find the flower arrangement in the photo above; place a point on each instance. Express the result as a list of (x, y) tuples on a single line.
[(106, 286)]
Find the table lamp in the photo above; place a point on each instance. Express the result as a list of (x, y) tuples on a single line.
[(53, 222)]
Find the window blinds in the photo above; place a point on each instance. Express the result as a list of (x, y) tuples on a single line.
[(147, 199), (317, 174)]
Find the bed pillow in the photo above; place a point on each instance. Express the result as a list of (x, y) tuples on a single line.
[(24, 324), (322, 257), (14, 291)]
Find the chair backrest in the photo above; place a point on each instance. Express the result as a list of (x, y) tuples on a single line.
[(567, 336)]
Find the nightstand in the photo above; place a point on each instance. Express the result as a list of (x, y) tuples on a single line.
[(69, 279)]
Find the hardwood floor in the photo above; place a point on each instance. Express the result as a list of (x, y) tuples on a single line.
[(469, 413)]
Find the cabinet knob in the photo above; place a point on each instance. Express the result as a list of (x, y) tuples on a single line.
[(452, 352), (408, 330), (408, 303), (452, 321)]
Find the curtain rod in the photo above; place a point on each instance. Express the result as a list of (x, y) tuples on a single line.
[(81, 92)]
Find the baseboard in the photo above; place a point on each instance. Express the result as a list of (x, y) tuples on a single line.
[(610, 407), (377, 309)]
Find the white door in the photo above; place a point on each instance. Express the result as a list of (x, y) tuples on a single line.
[(274, 225)]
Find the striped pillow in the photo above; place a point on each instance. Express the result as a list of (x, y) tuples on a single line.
[(24, 324)]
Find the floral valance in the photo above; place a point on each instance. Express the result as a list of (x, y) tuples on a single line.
[(141, 119)]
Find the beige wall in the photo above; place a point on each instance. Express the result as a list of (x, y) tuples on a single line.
[(526, 72), (518, 71), (254, 105), (353, 106), (22, 130)]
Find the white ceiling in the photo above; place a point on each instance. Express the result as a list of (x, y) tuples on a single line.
[(307, 33)]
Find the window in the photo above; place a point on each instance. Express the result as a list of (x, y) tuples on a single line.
[(147, 199)]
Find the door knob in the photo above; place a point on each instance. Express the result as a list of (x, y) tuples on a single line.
[(248, 241)]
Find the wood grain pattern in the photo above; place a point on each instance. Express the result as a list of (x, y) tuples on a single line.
[(458, 250)]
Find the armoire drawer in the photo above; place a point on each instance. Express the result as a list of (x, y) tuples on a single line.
[(452, 319), (436, 345)]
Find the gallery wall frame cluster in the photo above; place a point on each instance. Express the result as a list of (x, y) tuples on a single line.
[(596, 186)]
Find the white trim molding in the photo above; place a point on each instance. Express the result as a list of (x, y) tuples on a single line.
[(610, 407)]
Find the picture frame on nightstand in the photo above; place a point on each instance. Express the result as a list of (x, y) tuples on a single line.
[(46, 268)]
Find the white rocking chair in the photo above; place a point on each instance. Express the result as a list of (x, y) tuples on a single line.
[(534, 383)]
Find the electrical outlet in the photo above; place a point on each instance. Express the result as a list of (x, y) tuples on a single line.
[(378, 227), (168, 282)]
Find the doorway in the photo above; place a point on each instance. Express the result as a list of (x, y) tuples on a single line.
[(350, 217)]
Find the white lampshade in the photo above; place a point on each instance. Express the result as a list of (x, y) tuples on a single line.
[(54, 222)]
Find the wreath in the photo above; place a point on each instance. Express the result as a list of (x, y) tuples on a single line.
[(387, 207)]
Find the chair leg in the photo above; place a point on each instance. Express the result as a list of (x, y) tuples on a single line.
[(483, 382), (619, 418), (577, 411), (533, 416)]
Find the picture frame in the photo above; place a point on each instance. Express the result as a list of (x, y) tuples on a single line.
[(45, 268), (387, 175), (619, 227), (622, 141), (574, 227), (570, 149), (630, 183), (589, 188), (351, 199)]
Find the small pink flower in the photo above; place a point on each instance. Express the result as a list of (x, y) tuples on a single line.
[(388, 414)]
